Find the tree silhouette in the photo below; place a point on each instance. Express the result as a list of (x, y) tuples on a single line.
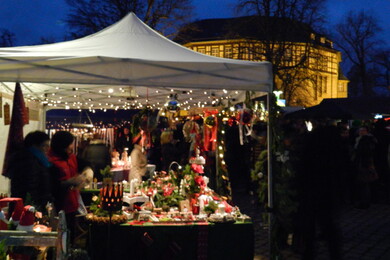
[(280, 25), (7, 38), (89, 16), (357, 36)]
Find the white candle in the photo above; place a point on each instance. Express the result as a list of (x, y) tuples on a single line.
[(132, 184)]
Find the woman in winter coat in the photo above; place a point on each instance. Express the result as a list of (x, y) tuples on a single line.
[(29, 171), (65, 170)]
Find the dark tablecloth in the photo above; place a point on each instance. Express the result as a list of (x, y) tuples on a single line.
[(194, 241)]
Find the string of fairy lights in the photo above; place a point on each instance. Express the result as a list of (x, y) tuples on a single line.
[(122, 98)]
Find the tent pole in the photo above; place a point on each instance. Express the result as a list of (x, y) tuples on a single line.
[(269, 170), (43, 118)]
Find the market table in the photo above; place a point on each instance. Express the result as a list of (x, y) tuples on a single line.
[(172, 241)]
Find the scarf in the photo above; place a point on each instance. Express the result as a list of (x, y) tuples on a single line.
[(40, 156)]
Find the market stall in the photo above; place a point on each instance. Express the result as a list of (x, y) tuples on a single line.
[(128, 65)]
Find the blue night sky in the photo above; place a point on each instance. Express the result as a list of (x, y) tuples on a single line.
[(31, 19)]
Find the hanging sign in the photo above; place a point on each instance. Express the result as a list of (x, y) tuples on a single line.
[(7, 114)]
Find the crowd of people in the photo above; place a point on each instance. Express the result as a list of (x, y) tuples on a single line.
[(46, 172), (335, 164)]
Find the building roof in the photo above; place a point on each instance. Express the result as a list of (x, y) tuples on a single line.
[(248, 27), (341, 74)]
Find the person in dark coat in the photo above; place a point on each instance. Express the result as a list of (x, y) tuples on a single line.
[(363, 159), (29, 171), (97, 153), (320, 190), (124, 140), (169, 152)]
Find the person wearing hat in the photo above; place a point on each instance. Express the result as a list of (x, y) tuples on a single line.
[(66, 168), (138, 160)]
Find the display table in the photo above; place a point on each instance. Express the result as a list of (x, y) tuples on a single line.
[(172, 241), (87, 194), (120, 174)]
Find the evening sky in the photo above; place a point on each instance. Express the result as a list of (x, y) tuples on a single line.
[(30, 20)]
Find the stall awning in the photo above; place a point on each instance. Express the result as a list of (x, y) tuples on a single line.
[(129, 57)]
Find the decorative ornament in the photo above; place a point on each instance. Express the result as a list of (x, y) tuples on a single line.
[(173, 104), (210, 121), (210, 131), (27, 219), (232, 121), (245, 116)]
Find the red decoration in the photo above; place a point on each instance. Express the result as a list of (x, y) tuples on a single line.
[(18, 120), (210, 132), (245, 116), (199, 180), (232, 121)]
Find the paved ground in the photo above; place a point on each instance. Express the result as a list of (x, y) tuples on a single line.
[(366, 232)]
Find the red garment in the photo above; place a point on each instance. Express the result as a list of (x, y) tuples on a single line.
[(67, 169)]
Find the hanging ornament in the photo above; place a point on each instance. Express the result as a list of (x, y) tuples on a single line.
[(245, 116), (210, 121), (173, 103), (210, 131), (191, 132), (232, 121)]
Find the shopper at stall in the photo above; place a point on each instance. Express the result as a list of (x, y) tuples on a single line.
[(169, 152), (97, 153), (29, 171), (138, 160), (124, 140), (319, 189), (65, 169), (363, 160)]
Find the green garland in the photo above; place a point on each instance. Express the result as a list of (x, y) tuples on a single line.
[(284, 194)]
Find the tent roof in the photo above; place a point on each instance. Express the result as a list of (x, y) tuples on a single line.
[(129, 56), (346, 108)]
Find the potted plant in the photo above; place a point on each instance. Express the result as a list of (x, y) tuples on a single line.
[(107, 175)]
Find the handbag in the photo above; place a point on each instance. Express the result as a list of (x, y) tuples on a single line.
[(367, 174)]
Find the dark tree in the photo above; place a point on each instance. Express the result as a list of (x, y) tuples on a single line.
[(358, 37), (89, 16), (7, 38), (280, 24), (382, 68)]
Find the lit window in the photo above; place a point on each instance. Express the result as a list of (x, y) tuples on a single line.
[(215, 51), (202, 50), (228, 52)]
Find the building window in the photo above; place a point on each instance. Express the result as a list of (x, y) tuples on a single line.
[(325, 87), (341, 87), (319, 86), (215, 51), (287, 55), (202, 50), (228, 52)]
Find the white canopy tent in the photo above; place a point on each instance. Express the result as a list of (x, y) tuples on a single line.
[(126, 63), (120, 64)]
